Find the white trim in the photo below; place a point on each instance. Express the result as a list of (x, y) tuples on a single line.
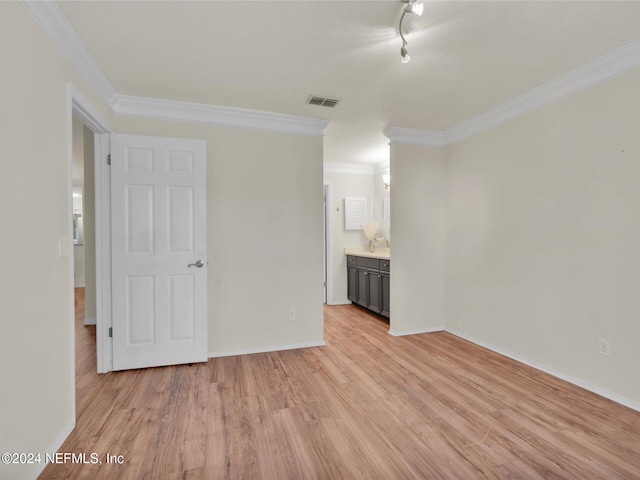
[(84, 111), (627, 402), (169, 110), (356, 168), (604, 68), (432, 138), (90, 321), (402, 333), (55, 24), (54, 447), (346, 301), (273, 348), (53, 21)]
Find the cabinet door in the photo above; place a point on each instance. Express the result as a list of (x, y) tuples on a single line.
[(374, 292), (352, 283), (385, 308), (362, 283)]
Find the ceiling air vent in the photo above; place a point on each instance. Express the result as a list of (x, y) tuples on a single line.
[(322, 101)]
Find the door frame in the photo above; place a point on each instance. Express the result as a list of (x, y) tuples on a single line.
[(78, 106)]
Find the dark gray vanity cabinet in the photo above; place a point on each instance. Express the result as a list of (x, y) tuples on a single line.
[(368, 283), (385, 282), (362, 283)]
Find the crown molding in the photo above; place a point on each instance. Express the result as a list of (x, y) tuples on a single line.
[(358, 168), (169, 110), (604, 68), (415, 136), (50, 18), (382, 166), (600, 70), (55, 24)]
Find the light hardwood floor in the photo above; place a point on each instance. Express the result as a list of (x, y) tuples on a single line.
[(367, 405), (86, 377)]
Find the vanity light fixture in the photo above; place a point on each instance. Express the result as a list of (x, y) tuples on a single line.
[(386, 179), (413, 6)]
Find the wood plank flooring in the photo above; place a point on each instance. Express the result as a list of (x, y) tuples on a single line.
[(86, 377), (366, 406)]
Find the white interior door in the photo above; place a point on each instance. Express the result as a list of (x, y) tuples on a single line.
[(159, 258)]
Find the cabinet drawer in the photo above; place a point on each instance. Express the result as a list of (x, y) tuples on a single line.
[(368, 262), (385, 265), (351, 261)]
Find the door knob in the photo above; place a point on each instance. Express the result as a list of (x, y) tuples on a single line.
[(198, 264)]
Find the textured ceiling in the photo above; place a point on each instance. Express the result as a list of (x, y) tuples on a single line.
[(466, 57)]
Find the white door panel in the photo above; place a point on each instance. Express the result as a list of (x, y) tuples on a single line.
[(158, 193)]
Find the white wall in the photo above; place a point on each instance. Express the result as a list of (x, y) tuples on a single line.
[(418, 243), (36, 289), (264, 234), (380, 193), (346, 185), (543, 252)]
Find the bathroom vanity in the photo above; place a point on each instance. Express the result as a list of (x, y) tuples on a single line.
[(368, 279)]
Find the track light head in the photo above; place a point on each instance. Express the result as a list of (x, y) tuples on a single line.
[(416, 8), (405, 55)]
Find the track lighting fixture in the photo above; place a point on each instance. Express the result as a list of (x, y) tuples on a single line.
[(415, 7)]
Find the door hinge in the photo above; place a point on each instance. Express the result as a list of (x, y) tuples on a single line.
[(110, 332), (109, 159)]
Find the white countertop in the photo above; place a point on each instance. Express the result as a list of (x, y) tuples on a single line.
[(383, 253)]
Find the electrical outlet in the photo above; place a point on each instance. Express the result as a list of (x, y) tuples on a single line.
[(292, 314), (63, 247), (604, 347)]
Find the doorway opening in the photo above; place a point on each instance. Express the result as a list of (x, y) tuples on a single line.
[(84, 261), (91, 126), (327, 238)]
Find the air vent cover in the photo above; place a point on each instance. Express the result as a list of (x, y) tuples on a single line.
[(322, 101)]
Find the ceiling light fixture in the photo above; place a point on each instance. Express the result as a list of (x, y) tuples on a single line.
[(415, 7)]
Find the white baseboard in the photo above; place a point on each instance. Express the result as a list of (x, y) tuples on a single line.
[(627, 402), (402, 333), (90, 320), (272, 348), (54, 447), (340, 302)]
